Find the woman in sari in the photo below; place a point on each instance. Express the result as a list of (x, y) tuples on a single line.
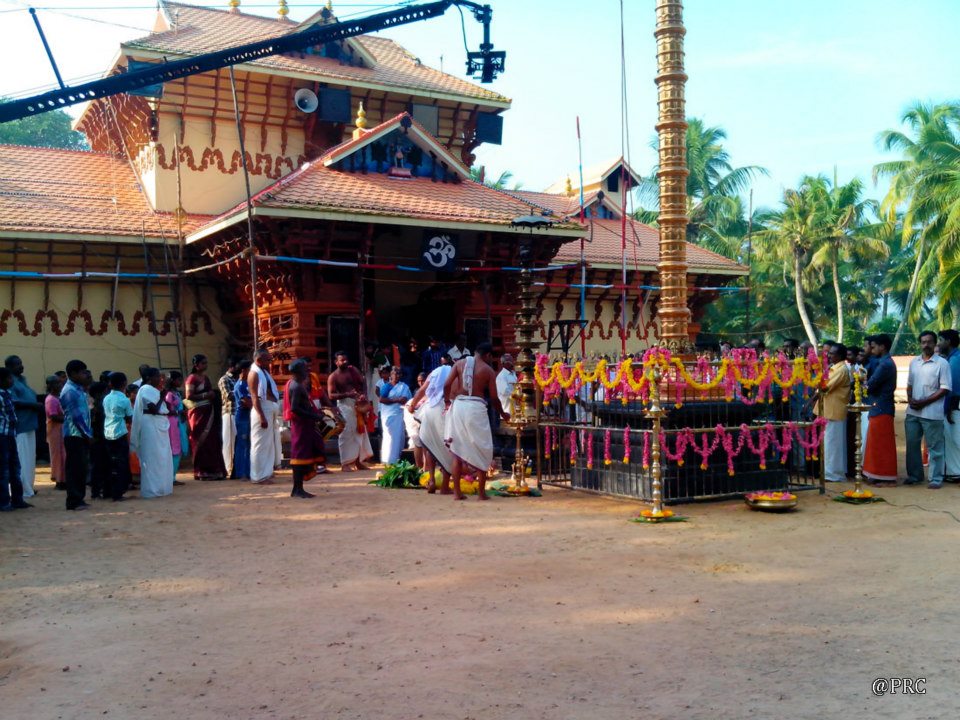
[(242, 402), (394, 395), (150, 438), (203, 418)]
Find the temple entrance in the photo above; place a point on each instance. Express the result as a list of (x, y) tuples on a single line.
[(398, 308)]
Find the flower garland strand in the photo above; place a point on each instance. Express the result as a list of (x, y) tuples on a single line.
[(607, 460), (626, 445), (589, 451)]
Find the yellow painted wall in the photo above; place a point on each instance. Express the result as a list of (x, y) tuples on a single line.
[(209, 191), (46, 352)]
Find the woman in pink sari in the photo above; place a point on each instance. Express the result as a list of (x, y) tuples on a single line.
[(58, 455), (203, 418)]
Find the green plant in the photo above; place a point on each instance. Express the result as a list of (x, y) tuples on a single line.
[(402, 474)]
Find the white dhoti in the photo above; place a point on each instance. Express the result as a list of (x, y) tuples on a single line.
[(864, 426), (951, 441), (228, 435), (411, 423), (835, 451), (467, 432), (431, 435), (263, 442), (27, 452), (156, 458), (352, 445)]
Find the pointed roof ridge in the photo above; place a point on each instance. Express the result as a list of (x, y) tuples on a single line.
[(592, 174), (343, 150)]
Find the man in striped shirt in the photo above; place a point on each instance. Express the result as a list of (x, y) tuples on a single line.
[(77, 433)]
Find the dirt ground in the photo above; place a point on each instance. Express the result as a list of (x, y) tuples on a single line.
[(232, 601)]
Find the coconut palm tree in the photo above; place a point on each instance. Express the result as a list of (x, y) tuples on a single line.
[(478, 173), (793, 235), (925, 183), (713, 187), (848, 235)]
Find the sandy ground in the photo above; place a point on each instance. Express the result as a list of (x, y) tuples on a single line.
[(232, 601)]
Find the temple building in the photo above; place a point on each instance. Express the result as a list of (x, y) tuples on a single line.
[(365, 222)]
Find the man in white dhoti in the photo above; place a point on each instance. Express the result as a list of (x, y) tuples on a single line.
[(263, 442), (836, 397), (467, 430), (346, 386), (228, 427), (429, 406), (150, 438)]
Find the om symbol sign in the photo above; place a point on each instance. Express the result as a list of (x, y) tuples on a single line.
[(440, 251)]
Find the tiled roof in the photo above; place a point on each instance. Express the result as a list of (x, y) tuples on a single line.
[(47, 190), (561, 206), (199, 30), (603, 248), (323, 189)]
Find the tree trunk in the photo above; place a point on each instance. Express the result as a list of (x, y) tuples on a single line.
[(914, 281), (836, 290), (886, 299), (801, 300)]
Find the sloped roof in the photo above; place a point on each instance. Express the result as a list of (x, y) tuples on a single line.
[(68, 192), (199, 30), (603, 247), (591, 175), (562, 206)]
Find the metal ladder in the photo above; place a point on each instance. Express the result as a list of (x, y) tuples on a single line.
[(169, 352)]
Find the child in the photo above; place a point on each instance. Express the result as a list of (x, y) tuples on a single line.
[(174, 402), (132, 391), (117, 410), (11, 489), (54, 413)]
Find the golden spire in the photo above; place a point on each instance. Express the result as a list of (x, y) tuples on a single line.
[(360, 122), (283, 10), (234, 5), (568, 188), (330, 5)]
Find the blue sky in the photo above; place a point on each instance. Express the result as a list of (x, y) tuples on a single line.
[(800, 87)]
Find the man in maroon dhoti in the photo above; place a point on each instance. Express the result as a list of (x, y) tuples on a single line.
[(306, 442)]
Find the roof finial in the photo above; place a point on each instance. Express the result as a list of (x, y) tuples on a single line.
[(330, 5), (360, 122), (234, 5), (568, 188), (283, 10)]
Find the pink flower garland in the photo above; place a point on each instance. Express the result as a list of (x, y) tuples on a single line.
[(573, 447), (626, 445), (683, 439), (546, 442), (589, 451), (607, 460)]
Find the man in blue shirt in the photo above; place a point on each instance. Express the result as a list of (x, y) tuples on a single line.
[(28, 419), (77, 433), (11, 490), (949, 348)]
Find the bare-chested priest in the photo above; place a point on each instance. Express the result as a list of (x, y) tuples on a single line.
[(346, 386), (467, 431)]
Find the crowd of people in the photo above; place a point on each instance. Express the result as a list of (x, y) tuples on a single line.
[(932, 417), (108, 436)]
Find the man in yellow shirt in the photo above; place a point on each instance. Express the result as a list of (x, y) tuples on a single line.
[(836, 397)]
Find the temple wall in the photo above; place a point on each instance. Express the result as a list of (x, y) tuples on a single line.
[(211, 173), (71, 324)]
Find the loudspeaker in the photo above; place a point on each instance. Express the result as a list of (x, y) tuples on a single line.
[(306, 101), (489, 128)]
